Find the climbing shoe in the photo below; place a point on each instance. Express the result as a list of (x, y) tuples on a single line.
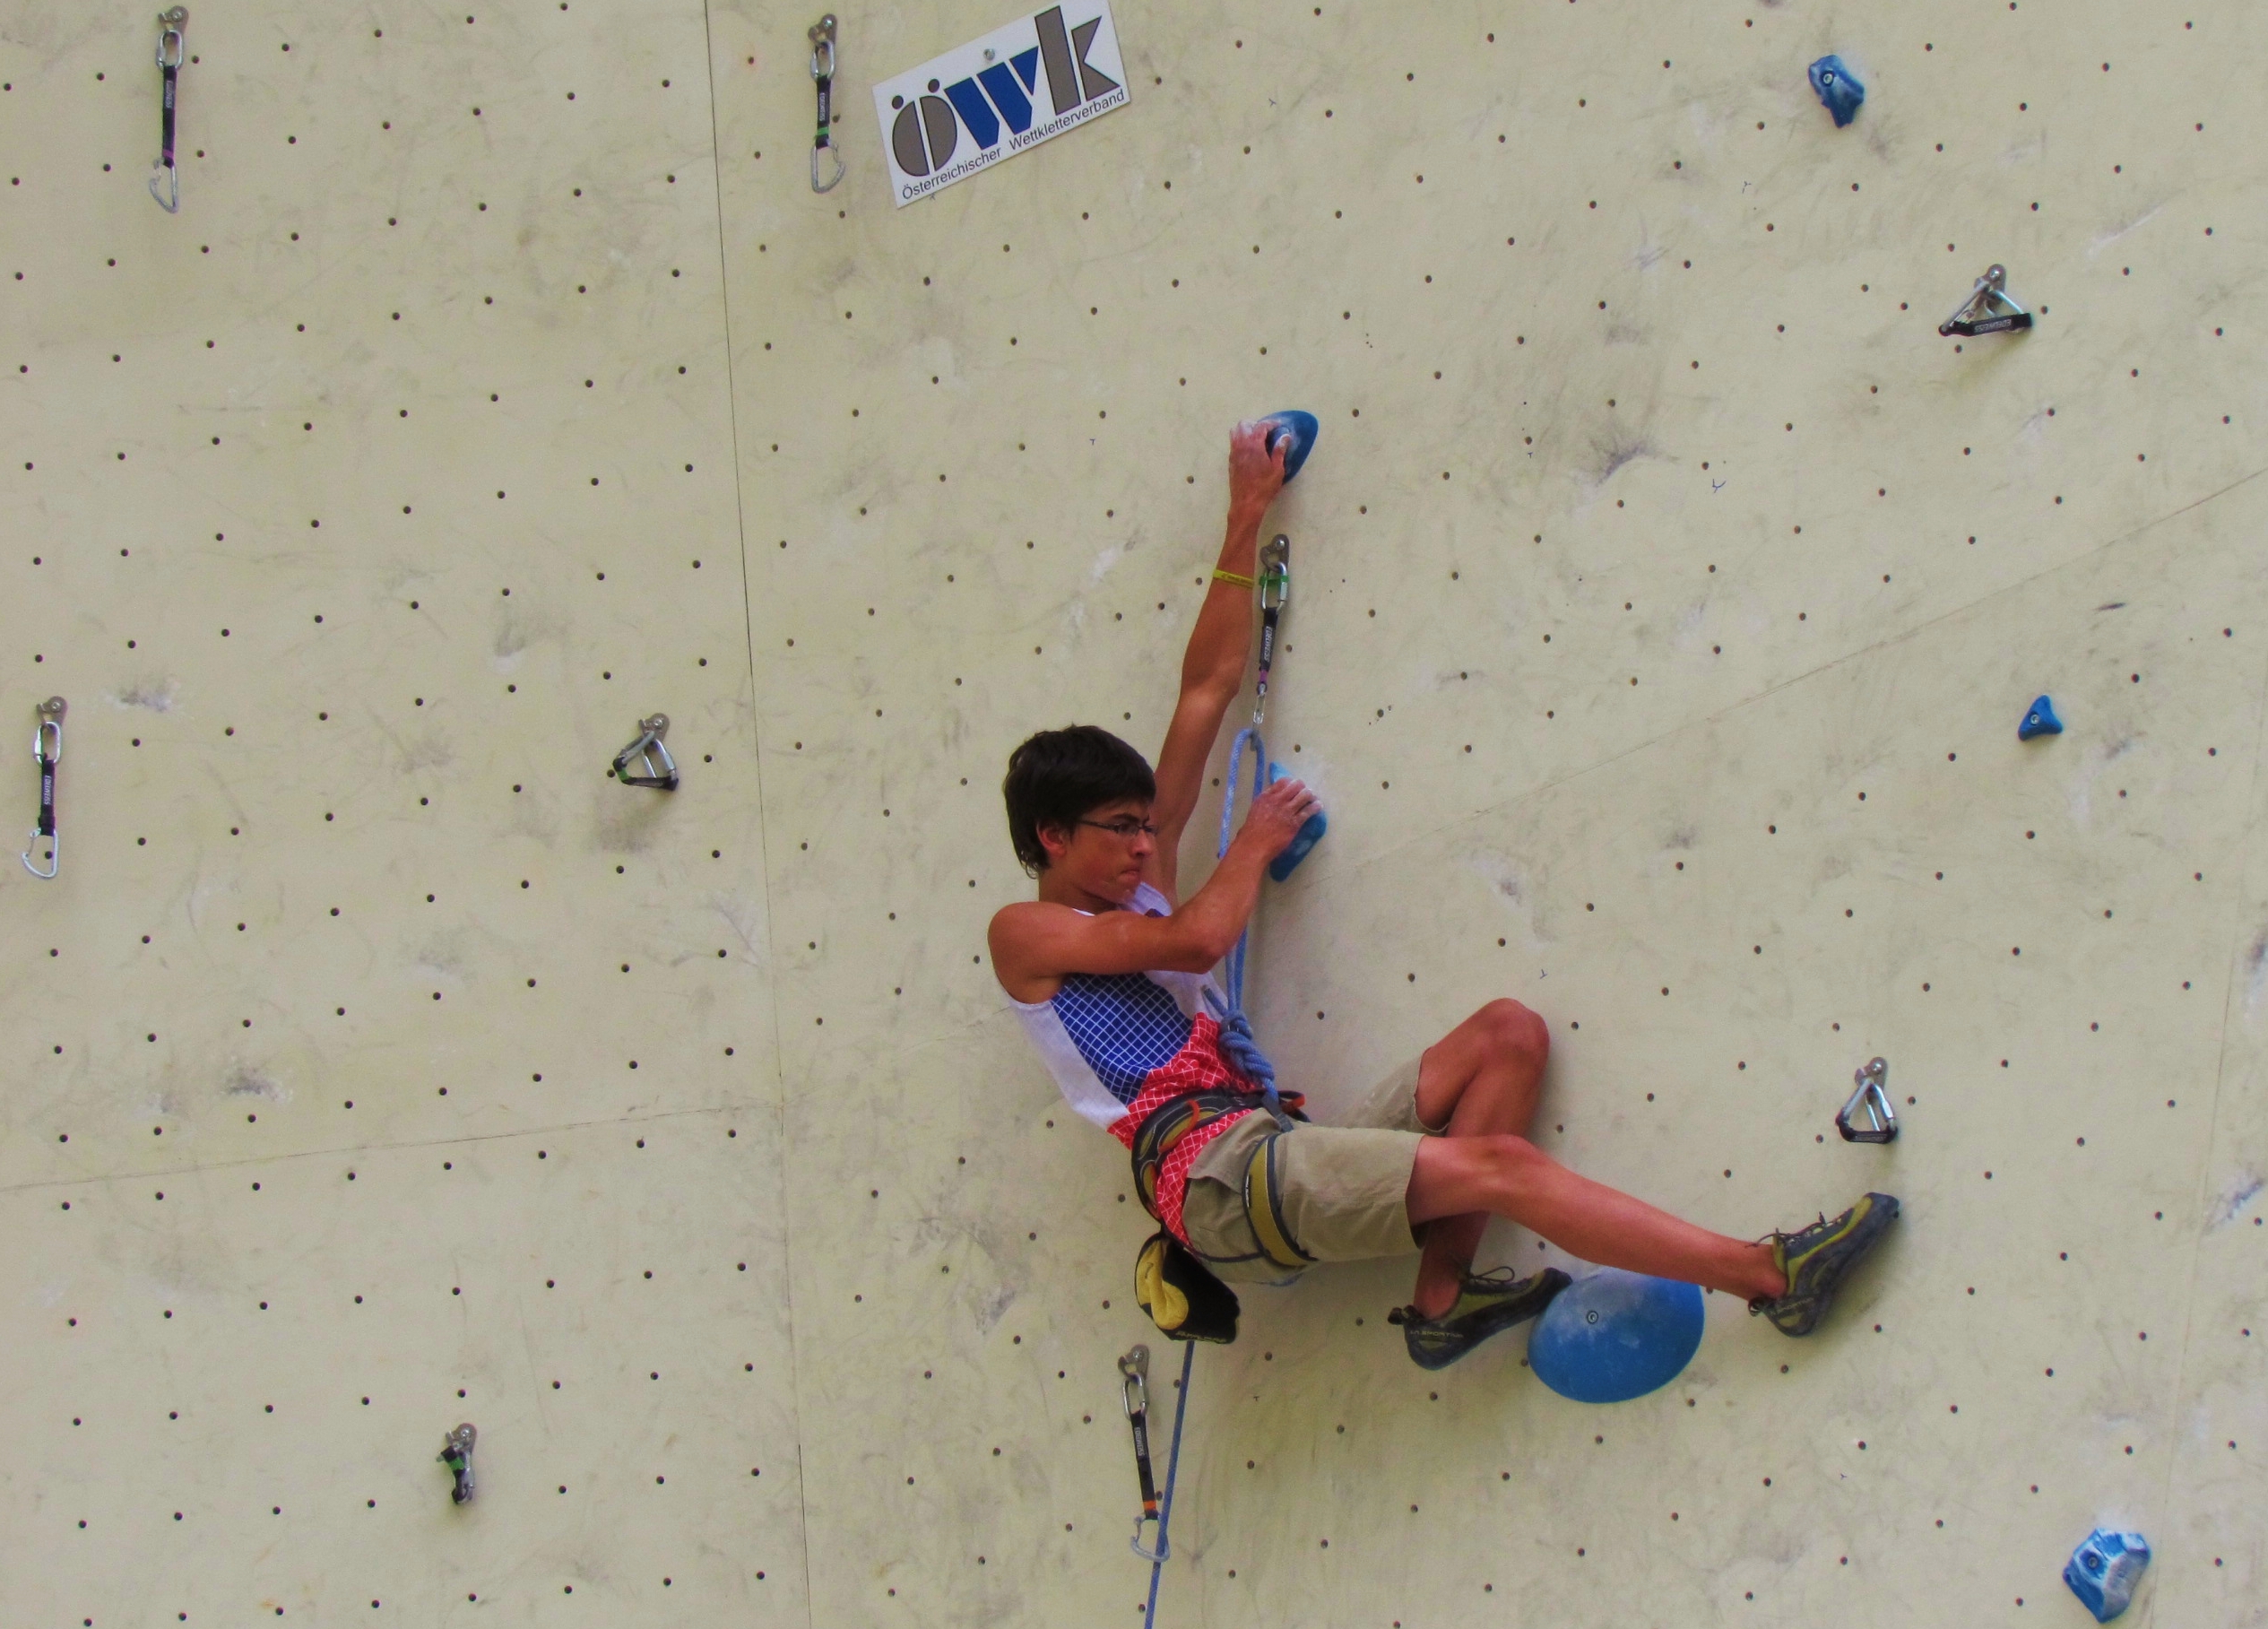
[(1816, 1258), (1489, 1304)]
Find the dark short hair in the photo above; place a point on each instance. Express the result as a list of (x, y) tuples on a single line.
[(1058, 776)]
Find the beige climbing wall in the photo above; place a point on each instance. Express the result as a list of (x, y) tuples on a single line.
[(1668, 594)]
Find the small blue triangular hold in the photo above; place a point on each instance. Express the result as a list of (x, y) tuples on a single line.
[(1838, 88), (1026, 64), (1303, 844), (2041, 721), (1300, 430)]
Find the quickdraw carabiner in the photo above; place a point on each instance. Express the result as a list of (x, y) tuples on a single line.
[(1988, 309), (649, 742), (171, 24), (822, 38), (47, 746), (1275, 592), (1134, 1391), (1872, 1101), (456, 1453)]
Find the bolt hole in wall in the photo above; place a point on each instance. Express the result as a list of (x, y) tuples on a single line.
[(1807, 684)]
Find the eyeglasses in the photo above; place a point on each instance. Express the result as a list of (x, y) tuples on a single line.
[(1126, 828)]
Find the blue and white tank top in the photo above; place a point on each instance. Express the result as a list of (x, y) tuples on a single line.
[(1103, 1034)]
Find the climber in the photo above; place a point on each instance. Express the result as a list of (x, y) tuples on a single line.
[(1109, 972)]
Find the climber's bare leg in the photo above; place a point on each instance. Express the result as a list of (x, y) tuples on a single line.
[(1483, 1079), (1509, 1176)]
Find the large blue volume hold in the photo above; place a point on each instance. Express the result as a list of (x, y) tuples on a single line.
[(2104, 1569), (1838, 88), (1616, 1335), (1300, 430), (2041, 719)]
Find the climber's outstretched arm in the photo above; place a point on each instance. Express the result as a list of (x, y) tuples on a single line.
[(1213, 668)]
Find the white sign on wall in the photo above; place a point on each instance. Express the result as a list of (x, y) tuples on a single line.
[(992, 98)]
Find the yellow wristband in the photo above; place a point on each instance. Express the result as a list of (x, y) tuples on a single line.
[(1220, 576)]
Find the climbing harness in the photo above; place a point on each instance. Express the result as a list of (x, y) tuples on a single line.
[(822, 37), (1988, 309), (456, 1453), (1276, 588), (171, 23), (47, 746), (647, 744), (1881, 1121)]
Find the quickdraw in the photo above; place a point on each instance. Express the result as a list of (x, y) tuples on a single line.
[(1871, 1100), (456, 1453), (822, 38), (1134, 1391), (47, 746), (643, 750), (171, 24), (1988, 309), (1165, 1507), (1276, 589)]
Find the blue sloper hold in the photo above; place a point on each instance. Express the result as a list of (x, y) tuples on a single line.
[(1838, 88), (2104, 1569), (1616, 1335), (2041, 721), (1303, 843), (1301, 428)]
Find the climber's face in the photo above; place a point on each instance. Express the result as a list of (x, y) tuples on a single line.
[(1104, 852)]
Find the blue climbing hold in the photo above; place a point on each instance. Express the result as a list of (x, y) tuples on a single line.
[(1301, 428), (2041, 721), (2104, 1569), (1303, 843), (1616, 1335), (1838, 88)]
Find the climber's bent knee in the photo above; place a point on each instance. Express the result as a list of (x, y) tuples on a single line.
[(1457, 1175), (1515, 1031)]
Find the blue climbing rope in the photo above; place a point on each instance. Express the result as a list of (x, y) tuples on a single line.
[(1173, 1467), (1242, 1051), (1237, 1045)]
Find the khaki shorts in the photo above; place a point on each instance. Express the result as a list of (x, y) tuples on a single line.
[(1344, 1189)]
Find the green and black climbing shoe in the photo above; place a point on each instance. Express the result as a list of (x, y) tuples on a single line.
[(1816, 1258), (1489, 1304)]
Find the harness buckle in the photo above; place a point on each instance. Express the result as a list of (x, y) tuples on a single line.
[(647, 744), (1988, 309), (1881, 1119)]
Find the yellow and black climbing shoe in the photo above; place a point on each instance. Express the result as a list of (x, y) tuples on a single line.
[(1816, 1258), (1489, 1304)]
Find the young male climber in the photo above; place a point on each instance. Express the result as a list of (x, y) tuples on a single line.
[(1109, 971)]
